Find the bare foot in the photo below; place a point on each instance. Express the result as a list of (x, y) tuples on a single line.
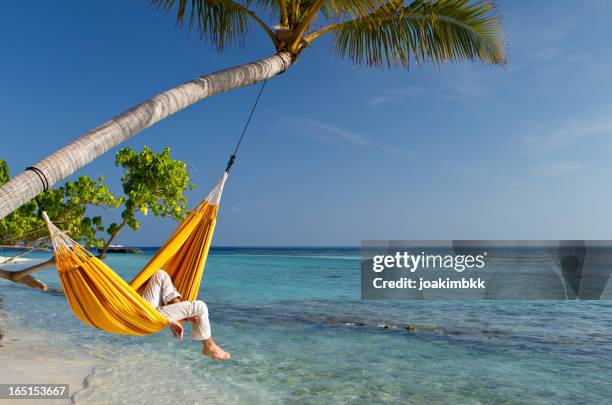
[(215, 352)]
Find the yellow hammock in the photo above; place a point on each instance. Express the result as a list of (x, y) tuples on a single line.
[(100, 298)]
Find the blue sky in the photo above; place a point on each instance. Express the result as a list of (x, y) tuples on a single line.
[(336, 153)]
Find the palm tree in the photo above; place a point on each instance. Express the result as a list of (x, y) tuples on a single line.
[(379, 33)]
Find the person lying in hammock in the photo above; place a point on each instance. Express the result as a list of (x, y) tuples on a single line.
[(163, 296)]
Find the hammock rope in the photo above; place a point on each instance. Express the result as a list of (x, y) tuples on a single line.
[(102, 299), (232, 158)]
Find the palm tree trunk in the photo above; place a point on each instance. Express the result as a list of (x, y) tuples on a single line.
[(70, 158)]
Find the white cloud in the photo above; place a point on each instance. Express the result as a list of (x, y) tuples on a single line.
[(540, 141), (547, 48), (378, 100), (559, 168), (559, 30), (532, 34), (398, 152), (465, 91), (339, 132), (396, 95), (322, 131)]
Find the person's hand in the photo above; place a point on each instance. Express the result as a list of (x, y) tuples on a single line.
[(177, 329), (193, 319)]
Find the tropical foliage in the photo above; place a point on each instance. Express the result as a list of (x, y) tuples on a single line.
[(67, 205), (152, 182)]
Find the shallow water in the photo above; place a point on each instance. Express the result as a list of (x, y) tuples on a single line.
[(298, 333)]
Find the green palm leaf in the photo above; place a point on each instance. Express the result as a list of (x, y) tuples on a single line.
[(435, 32), (221, 22)]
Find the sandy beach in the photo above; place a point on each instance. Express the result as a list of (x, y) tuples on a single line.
[(26, 359)]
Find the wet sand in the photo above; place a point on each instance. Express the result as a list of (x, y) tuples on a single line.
[(25, 359)]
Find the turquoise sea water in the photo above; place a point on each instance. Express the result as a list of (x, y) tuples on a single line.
[(299, 333)]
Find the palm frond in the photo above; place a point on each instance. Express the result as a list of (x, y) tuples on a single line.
[(423, 32), (221, 22), (357, 8)]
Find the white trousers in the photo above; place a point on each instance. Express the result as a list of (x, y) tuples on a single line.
[(160, 290)]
